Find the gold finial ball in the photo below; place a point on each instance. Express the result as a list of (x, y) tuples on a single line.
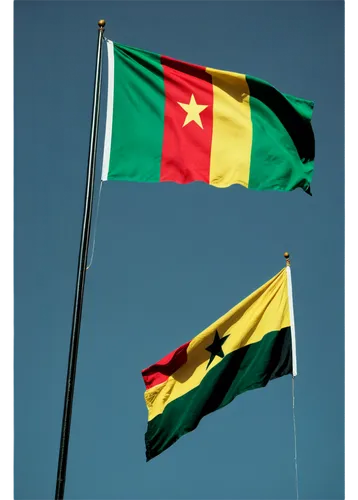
[(286, 255), (101, 23)]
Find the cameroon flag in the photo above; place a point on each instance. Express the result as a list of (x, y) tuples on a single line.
[(250, 345), (169, 120)]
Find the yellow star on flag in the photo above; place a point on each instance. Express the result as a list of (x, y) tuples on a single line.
[(193, 111)]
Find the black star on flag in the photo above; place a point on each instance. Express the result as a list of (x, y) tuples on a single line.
[(215, 348)]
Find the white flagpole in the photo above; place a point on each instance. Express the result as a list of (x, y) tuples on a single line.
[(292, 316), (294, 357)]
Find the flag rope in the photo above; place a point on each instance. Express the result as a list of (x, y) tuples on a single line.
[(95, 226), (294, 433)]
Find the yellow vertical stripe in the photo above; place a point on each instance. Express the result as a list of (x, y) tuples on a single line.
[(232, 129)]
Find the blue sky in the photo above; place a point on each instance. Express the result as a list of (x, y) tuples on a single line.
[(171, 259)]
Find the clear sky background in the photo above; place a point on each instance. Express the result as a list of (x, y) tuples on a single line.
[(171, 259)]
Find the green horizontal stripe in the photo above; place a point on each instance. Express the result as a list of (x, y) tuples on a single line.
[(248, 368), (138, 116), (283, 145)]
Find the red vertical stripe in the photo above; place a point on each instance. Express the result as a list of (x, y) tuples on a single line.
[(186, 149)]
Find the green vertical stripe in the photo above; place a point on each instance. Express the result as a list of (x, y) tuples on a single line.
[(138, 116), (248, 368), (283, 145)]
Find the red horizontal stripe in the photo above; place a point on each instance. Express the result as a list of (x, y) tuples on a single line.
[(186, 149), (161, 371)]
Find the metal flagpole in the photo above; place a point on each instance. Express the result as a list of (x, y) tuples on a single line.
[(294, 358), (292, 317), (81, 275)]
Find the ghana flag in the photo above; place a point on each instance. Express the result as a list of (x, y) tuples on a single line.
[(250, 345), (169, 120)]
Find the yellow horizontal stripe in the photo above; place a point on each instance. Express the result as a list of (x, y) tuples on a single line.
[(232, 129), (264, 311)]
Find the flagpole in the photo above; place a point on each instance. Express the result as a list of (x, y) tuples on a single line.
[(81, 275), (292, 316), (294, 359)]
